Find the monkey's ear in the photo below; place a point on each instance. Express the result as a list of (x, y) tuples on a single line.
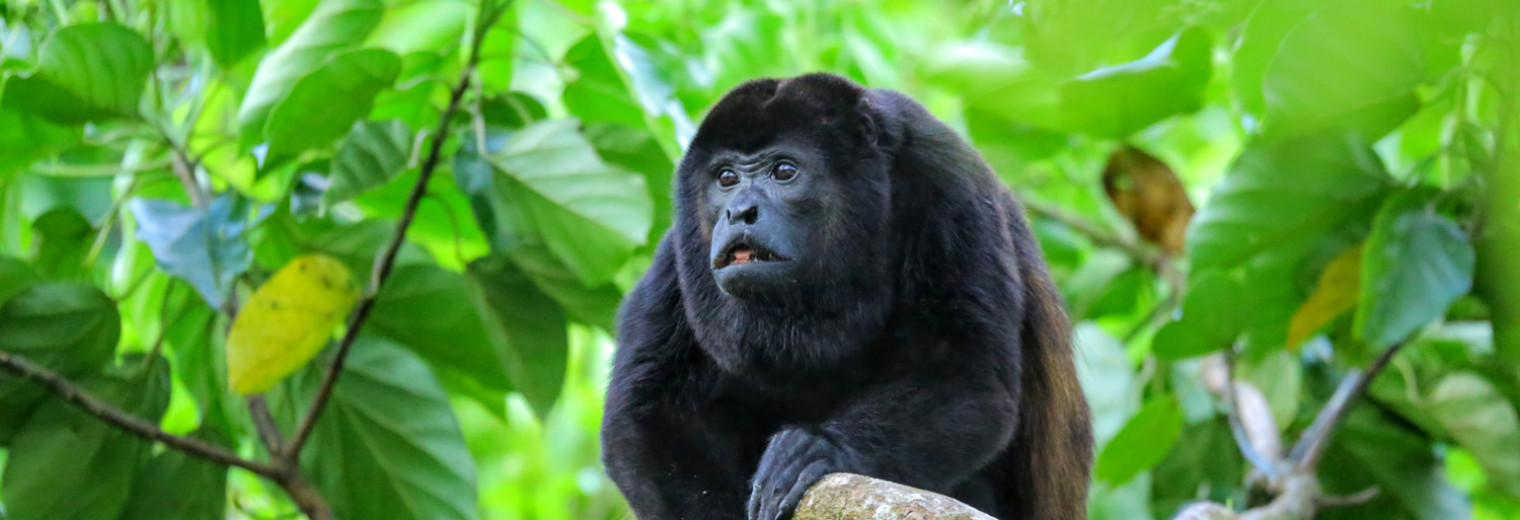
[(870, 122)]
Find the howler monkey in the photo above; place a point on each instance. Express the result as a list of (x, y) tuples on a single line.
[(847, 288)]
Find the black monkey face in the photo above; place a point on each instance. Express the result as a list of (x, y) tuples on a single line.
[(785, 191), (763, 208)]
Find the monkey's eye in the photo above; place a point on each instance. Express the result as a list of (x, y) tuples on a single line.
[(728, 178), (784, 171)]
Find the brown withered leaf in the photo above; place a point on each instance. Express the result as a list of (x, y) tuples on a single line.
[(1147, 192)]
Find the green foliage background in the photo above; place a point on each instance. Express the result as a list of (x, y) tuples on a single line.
[(159, 159)]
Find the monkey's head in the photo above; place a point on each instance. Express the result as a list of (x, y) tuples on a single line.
[(784, 210)]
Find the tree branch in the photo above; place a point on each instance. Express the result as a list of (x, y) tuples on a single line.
[(1298, 496), (114, 416), (1309, 448), (387, 258), (846, 496)]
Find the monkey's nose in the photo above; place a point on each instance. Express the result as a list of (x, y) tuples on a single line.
[(747, 213)]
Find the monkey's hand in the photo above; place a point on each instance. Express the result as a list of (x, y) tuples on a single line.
[(794, 460)]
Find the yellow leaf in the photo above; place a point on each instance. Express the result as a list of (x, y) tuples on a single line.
[(287, 321), (1340, 284)]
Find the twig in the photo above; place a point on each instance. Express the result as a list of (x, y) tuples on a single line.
[(125, 421), (1149, 256), (387, 258), (1266, 459), (1309, 448), (184, 168), (263, 422)]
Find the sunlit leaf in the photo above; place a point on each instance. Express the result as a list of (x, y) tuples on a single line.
[(26, 137), (287, 321), (335, 26), (1286, 194), (372, 154), (1213, 317), (324, 104), (547, 180), (421, 27), (235, 29), (1416, 263), (1119, 100), (1107, 379), (1484, 422), (1142, 443), (1337, 292), (388, 445), (85, 72), (1353, 64)]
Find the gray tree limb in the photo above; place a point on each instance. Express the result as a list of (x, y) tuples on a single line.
[(846, 496)]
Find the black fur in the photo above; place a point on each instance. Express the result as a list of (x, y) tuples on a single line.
[(915, 337)]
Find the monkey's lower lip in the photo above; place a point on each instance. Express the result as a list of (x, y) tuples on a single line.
[(740, 255)]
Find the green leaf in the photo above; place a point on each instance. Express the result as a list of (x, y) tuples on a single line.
[(1484, 422), (388, 445), (335, 26), (636, 150), (204, 247), (85, 72), (534, 326), (1286, 195), (372, 154), (27, 137), (1107, 379), (1207, 466), (1260, 37), (595, 305), (1120, 100), (235, 29), (598, 92), (422, 27), (64, 239), (69, 328), (179, 486), (325, 103), (16, 276), (617, 83), (1414, 265), (1370, 449), (1354, 64), (66, 465), (443, 316), (550, 182), (1212, 318), (1142, 443)]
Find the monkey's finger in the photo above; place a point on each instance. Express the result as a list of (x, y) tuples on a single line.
[(805, 479)]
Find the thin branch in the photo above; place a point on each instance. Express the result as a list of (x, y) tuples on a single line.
[(125, 421), (1309, 448), (1265, 462), (387, 258), (263, 421), (1151, 257)]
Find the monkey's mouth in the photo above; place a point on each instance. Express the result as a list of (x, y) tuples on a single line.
[(745, 251)]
